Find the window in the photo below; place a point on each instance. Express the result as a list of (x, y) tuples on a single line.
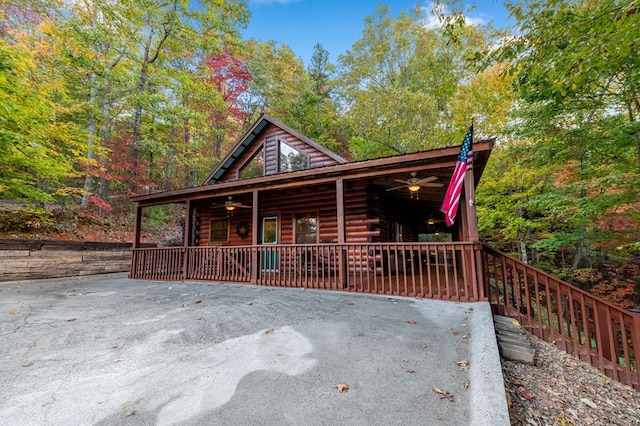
[(254, 167), (306, 228), (219, 230), (290, 159)]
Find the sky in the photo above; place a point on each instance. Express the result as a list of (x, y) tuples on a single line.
[(336, 24)]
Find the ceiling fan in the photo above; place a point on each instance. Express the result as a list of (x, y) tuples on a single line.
[(231, 205), (414, 183)]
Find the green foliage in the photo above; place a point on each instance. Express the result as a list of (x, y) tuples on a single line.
[(26, 219)]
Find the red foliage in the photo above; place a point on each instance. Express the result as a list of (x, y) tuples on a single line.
[(120, 167), (620, 284), (231, 78)]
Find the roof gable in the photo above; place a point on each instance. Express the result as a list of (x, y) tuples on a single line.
[(266, 134)]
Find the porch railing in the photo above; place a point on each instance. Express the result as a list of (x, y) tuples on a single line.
[(432, 270), (583, 325)]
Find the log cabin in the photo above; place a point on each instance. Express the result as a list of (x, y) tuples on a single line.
[(282, 210)]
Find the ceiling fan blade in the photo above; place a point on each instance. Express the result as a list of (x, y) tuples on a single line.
[(401, 181), (432, 185), (427, 180), (396, 187), (242, 206)]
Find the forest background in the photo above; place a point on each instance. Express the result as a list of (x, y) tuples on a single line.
[(104, 99)]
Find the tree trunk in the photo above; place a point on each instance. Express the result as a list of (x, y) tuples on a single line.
[(522, 247), (103, 184), (88, 179)]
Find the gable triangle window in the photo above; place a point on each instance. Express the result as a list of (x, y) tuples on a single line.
[(254, 167), (290, 159)]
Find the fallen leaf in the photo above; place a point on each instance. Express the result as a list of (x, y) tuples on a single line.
[(589, 403), (184, 305), (526, 395), (71, 319), (411, 371), (517, 382), (412, 322), (470, 310), (342, 387), (516, 323), (443, 393), (198, 301), (466, 384), (29, 364), (250, 303), (349, 303), (14, 312), (455, 333), (200, 319), (466, 337), (268, 331), (464, 365)]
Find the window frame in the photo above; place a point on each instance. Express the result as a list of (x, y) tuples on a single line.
[(305, 155), (211, 230), (313, 214)]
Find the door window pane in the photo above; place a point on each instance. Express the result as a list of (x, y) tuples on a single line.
[(270, 230)]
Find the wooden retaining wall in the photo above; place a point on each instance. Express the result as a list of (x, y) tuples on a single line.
[(35, 259)]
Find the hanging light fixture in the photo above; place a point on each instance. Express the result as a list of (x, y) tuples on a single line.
[(431, 221)]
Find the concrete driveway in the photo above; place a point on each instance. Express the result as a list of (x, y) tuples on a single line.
[(107, 350)]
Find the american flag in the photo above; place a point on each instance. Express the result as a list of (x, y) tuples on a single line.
[(465, 162)]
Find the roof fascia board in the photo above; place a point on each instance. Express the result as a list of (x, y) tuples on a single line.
[(435, 159)]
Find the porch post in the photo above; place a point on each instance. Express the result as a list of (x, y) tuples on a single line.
[(340, 208), (187, 238), (136, 227), (470, 207), (471, 233), (342, 271), (136, 241), (255, 224)]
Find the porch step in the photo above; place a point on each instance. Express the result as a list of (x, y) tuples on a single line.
[(513, 342)]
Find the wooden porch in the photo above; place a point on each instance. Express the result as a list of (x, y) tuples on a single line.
[(445, 271)]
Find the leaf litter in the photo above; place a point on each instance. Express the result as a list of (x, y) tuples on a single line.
[(562, 390)]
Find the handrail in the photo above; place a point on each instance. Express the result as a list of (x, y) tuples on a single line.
[(580, 323)]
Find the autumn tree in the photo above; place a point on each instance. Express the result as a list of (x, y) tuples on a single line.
[(577, 128), (399, 81)]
